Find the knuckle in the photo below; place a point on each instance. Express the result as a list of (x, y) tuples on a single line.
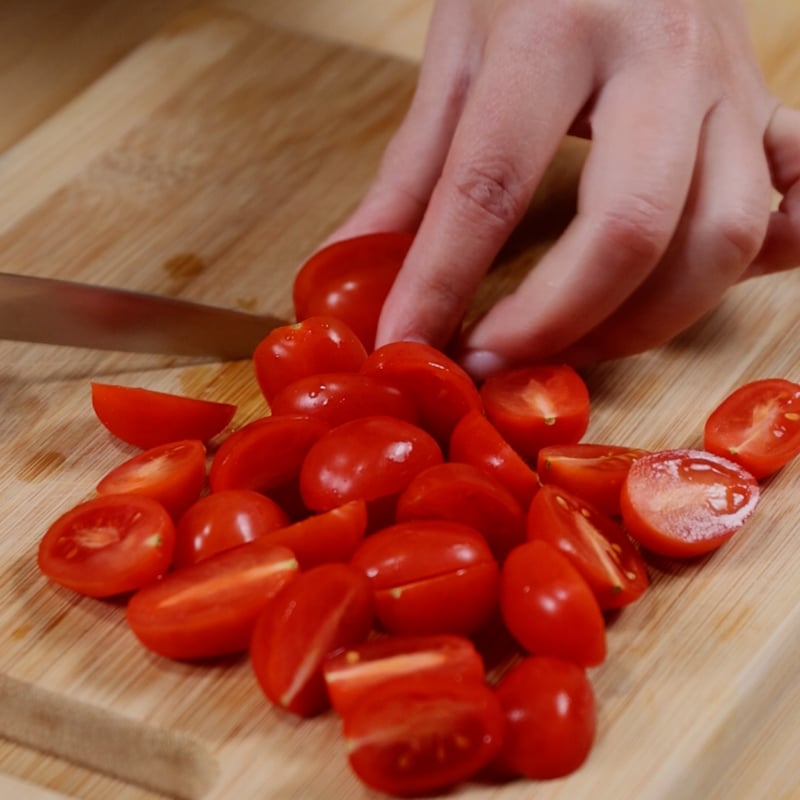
[(637, 228), (490, 190), (740, 232)]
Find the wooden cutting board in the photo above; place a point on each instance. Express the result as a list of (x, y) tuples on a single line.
[(207, 165)]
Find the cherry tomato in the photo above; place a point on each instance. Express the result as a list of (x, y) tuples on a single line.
[(353, 672), (416, 737), (465, 493), (291, 352), (757, 426), (430, 576), (350, 280), (476, 441), (549, 608), (145, 418), (336, 398), (324, 609), (551, 718), (594, 472), (442, 391), (110, 545), (684, 503), (209, 609), (537, 406), (222, 520), (174, 474), (595, 544)]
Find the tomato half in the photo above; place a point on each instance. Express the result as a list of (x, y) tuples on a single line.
[(757, 426), (173, 473), (684, 503), (324, 609), (145, 418), (110, 545), (537, 406)]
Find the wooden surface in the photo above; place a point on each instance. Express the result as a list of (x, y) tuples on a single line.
[(205, 161)]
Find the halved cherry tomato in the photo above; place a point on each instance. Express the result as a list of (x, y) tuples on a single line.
[(684, 503), (209, 609), (465, 493), (355, 671), (222, 520), (594, 472), (324, 609), (414, 737), (476, 441), (595, 544), (350, 279), (110, 545), (551, 718), (291, 352), (441, 390), (757, 426), (173, 473), (430, 576), (549, 608), (145, 418), (338, 397), (537, 406)]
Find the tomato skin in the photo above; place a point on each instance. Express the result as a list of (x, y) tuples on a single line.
[(145, 418), (324, 609), (465, 493), (551, 718), (537, 406), (309, 347), (757, 426), (353, 672), (222, 520), (108, 546), (350, 279), (415, 737), (430, 576), (672, 500), (596, 545), (549, 608), (173, 473), (209, 609), (594, 472)]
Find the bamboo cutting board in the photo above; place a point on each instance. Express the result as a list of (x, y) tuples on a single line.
[(207, 164)]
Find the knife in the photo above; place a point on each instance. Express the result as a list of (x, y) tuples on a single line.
[(50, 311)]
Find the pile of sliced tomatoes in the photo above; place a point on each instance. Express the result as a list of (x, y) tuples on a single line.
[(364, 539)]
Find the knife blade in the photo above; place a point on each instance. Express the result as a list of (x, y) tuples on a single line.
[(59, 312)]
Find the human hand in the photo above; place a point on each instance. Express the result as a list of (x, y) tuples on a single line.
[(674, 201)]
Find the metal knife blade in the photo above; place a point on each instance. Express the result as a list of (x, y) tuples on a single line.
[(51, 311)]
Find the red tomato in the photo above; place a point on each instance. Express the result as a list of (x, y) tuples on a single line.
[(145, 418), (549, 608), (414, 737), (684, 503), (464, 493), (551, 718), (350, 280), (595, 544), (354, 672), (476, 441), (174, 474), (291, 352), (110, 545), (430, 576), (536, 406), (223, 520), (338, 397), (209, 609), (757, 426), (594, 472), (324, 609), (442, 391)]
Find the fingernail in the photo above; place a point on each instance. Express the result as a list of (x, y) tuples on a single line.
[(482, 363)]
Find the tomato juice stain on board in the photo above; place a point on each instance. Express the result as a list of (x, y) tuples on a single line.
[(184, 265), (40, 465)]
